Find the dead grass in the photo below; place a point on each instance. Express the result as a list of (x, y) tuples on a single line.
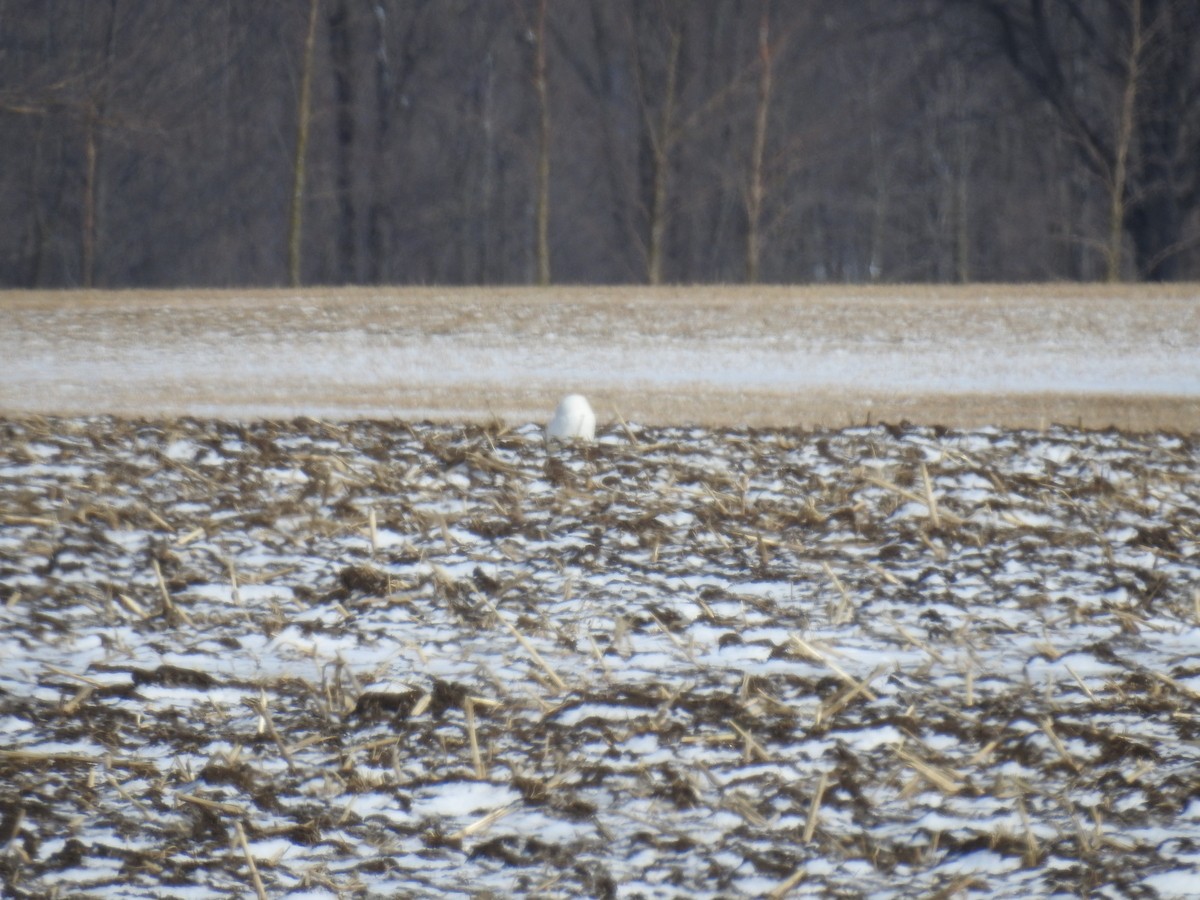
[(687, 295)]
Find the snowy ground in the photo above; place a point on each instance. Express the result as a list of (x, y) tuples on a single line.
[(331, 656), (378, 659), (1017, 356)]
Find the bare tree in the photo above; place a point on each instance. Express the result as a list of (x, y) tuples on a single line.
[(1123, 79), (97, 109), (543, 151), (440, 142), (683, 102), (378, 216), (658, 39), (1122, 141), (341, 52), (762, 108), (303, 111)]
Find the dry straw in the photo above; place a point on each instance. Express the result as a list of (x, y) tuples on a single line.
[(558, 683), (254, 876), (814, 808), (473, 739), (483, 823), (171, 612), (812, 653), (936, 515)]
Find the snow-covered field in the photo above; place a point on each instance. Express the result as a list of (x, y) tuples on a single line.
[(312, 659), (745, 644), (980, 355)]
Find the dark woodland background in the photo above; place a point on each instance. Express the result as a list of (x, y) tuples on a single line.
[(264, 142)]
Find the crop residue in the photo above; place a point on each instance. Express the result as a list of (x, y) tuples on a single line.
[(366, 658)]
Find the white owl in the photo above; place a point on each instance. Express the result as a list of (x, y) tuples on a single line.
[(573, 420)]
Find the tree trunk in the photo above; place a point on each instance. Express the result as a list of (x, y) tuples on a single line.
[(94, 116), (961, 176), (91, 153), (296, 217), (1165, 141), (754, 198), (342, 57), (543, 158), (378, 220), (1124, 137), (661, 142)]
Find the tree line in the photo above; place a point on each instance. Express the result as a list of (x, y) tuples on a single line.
[(228, 142)]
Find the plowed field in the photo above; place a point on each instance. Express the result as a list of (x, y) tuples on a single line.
[(314, 659)]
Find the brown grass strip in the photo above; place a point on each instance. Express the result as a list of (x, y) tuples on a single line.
[(674, 640), (958, 887), (740, 805), (157, 519), (10, 830), (717, 737), (313, 739), (234, 591), (421, 705), (758, 537), (444, 527), (491, 464)]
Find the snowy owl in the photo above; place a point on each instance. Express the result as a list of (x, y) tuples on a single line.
[(573, 419)]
